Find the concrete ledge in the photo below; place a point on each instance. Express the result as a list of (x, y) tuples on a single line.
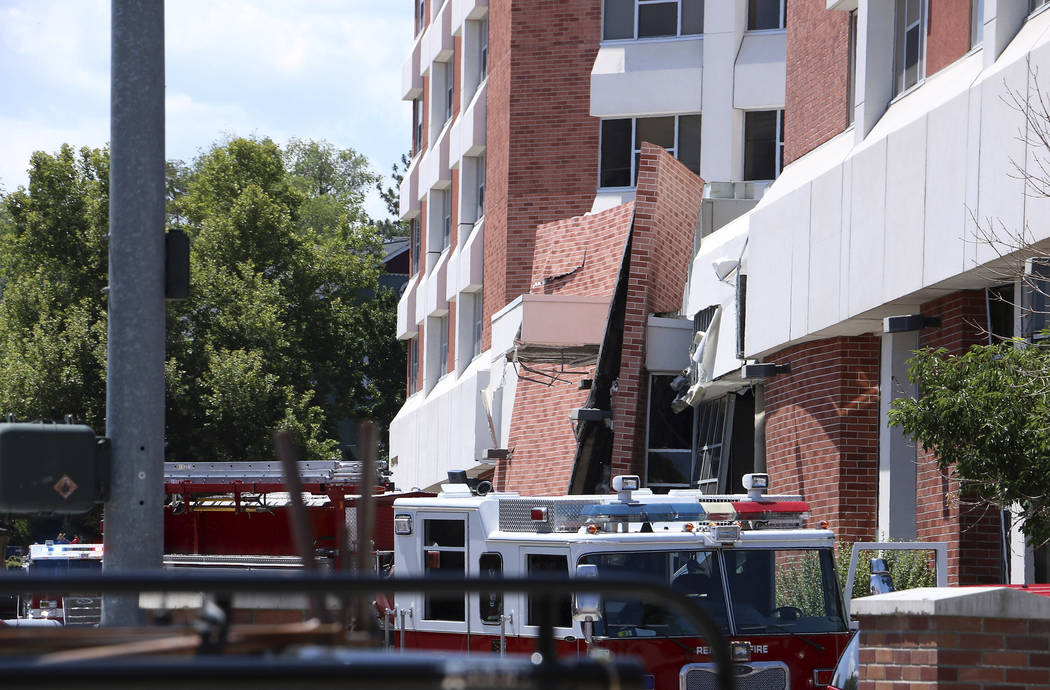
[(981, 602)]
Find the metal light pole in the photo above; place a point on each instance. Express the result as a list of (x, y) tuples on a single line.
[(135, 379)]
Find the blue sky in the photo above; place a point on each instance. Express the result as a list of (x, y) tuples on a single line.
[(320, 69)]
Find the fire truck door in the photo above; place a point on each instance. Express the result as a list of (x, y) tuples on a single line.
[(492, 615), (441, 619), (551, 561)]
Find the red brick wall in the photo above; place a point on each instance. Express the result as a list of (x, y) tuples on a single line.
[(971, 528), (948, 35), (541, 433), (542, 144), (817, 82), (822, 431), (667, 205), (952, 653)]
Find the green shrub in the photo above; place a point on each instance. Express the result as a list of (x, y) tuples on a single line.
[(909, 569)]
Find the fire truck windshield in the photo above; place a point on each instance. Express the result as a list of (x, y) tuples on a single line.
[(770, 591)]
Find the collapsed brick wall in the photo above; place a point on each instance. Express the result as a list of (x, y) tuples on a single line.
[(817, 76), (667, 205), (589, 248), (822, 431), (971, 529)]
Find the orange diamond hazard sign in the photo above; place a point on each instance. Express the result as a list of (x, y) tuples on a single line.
[(65, 486)]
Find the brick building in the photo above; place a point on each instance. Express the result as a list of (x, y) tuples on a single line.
[(558, 151), (558, 330)]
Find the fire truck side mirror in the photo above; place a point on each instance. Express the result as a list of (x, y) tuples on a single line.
[(52, 468), (586, 606)]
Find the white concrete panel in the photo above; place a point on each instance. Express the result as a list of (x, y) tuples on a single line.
[(647, 78), (604, 200), (432, 290), (411, 78), (845, 242), (704, 288), (947, 153), (463, 10), (722, 125), (769, 286), (1001, 201), (1037, 162), (867, 224), (472, 261), (506, 324), (905, 211), (451, 273), (434, 170), (436, 44), (409, 191), (667, 344), (825, 249), (795, 210), (759, 72), (467, 137), (406, 309)]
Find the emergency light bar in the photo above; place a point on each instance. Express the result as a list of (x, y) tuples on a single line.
[(68, 551), (645, 512)]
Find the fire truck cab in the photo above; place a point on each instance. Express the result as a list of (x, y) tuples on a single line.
[(64, 607), (769, 582)]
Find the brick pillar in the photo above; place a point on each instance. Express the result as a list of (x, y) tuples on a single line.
[(822, 431), (971, 528), (954, 639)]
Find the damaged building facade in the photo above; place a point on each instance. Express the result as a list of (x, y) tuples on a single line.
[(606, 277)]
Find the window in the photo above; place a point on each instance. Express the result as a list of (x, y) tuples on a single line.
[(910, 40), (766, 14), (483, 50), (652, 18), (442, 334), (851, 74), (714, 430), (421, 15), (1033, 5), (669, 454), (450, 82), (413, 365), (444, 554), (490, 604), (763, 144), (446, 218), (621, 145), (478, 323), (417, 125), (414, 225), (549, 564), (976, 23), (481, 186)]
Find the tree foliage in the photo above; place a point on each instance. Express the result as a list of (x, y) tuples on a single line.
[(986, 414), (286, 325)]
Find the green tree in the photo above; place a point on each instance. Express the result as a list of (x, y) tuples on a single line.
[(285, 326), (986, 415)]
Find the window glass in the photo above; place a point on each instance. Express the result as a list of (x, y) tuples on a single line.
[(490, 566), (655, 130), (689, 141), (444, 554), (615, 153), (549, 564), (414, 225), (481, 186), (692, 17), (764, 14), (694, 573), (413, 364), (446, 218), (910, 42), (619, 19), (657, 19), (784, 591), (478, 324), (450, 76), (483, 58), (760, 145)]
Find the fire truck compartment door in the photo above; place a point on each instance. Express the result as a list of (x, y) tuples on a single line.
[(487, 608), (441, 551)]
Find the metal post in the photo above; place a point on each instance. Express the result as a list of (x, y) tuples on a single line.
[(368, 439), (134, 533)]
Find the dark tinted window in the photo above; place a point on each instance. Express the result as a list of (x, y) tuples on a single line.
[(490, 565), (763, 14), (658, 19), (619, 19), (760, 145), (616, 153), (549, 564), (689, 141), (692, 17), (444, 533)]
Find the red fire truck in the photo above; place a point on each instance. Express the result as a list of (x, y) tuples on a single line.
[(769, 582)]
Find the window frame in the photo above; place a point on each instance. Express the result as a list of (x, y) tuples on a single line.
[(976, 23), (414, 234), (446, 219), (421, 16), (413, 365), (450, 89), (783, 17), (479, 174), (499, 594), (900, 35), (666, 37), (528, 628), (417, 133), (778, 145), (423, 622), (483, 49), (443, 326), (478, 324), (635, 151)]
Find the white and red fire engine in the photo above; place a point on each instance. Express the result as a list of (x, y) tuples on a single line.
[(65, 607), (769, 582)]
